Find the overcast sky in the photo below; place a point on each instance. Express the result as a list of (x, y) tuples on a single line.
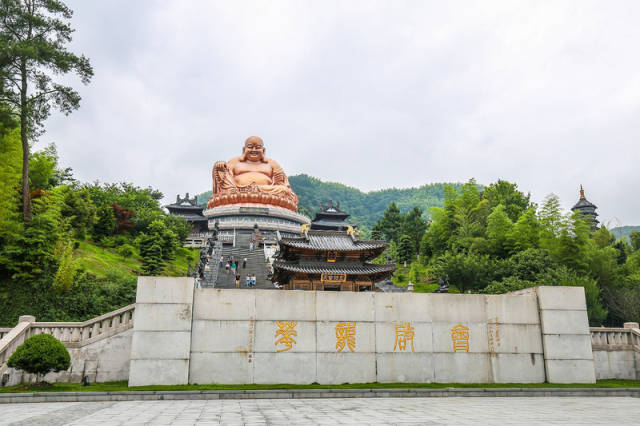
[(370, 94)]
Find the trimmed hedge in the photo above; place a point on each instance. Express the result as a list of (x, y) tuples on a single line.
[(40, 354)]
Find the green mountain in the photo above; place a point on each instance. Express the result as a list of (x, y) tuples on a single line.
[(624, 231), (365, 207)]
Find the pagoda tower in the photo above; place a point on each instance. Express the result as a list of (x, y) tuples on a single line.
[(587, 209), (329, 256)]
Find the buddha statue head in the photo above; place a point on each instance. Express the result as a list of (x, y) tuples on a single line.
[(253, 150)]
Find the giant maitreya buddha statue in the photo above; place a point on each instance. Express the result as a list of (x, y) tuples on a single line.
[(251, 178)]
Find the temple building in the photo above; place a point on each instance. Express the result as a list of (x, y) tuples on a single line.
[(251, 192), (587, 209), (189, 209), (329, 256)]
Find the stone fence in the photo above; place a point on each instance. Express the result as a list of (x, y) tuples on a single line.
[(71, 334), (616, 352)]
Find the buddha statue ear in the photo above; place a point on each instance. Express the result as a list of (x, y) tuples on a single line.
[(264, 155), (243, 157)]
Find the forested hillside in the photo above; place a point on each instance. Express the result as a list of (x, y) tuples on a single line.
[(624, 231), (365, 207), (81, 253)]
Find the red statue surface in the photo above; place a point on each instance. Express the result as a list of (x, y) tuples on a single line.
[(251, 178)]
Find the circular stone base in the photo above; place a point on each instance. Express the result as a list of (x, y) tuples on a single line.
[(243, 218)]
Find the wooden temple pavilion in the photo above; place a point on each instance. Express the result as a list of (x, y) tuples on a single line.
[(329, 256)]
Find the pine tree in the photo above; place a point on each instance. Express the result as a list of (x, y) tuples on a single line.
[(405, 249), (34, 34)]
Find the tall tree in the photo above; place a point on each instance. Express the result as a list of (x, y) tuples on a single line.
[(34, 34), (499, 228), (506, 193), (414, 226), (391, 223)]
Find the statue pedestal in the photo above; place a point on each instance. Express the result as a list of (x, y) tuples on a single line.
[(242, 218)]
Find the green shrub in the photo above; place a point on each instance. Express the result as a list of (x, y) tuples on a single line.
[(40, 354), (126, 250)]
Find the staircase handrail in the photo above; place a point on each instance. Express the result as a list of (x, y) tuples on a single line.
[(4, 331), (78, 334), (10, 342), (610, 338)]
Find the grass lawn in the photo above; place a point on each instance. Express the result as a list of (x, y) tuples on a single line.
[(122, 386), (401, 279), (99, 260)]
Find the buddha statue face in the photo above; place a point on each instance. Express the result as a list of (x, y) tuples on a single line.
[(253, 150)]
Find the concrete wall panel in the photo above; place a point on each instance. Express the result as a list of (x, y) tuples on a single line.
[(515, 338), (564, 298), (327, 339), (478, 337), (220, 336), (286, 305), (462, 367), (266, 338), (144, 372), (565, 322), (337, 368), (386, 340), (402, 307), (173, 345), (508, 309), (162, 317), (226, 368), (164, 290), (231, 304), (344, 306), (458, 307), (284, 367), (567, 346), (405, 367), (517, 368), (615, 365), (570, 371)]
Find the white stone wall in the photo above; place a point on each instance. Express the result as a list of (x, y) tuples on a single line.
[(106, 360), (234, 338), (161, 342), (565, 335), (298, 337), (616, 364)]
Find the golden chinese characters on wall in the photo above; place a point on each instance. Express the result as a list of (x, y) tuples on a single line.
[(346, 335), (285, 335), (460, 338), (404, 334)]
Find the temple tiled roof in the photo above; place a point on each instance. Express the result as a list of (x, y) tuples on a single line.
[(334, 268), (327, 240), (583, 202)]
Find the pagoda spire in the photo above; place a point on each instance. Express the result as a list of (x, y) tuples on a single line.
[(582, 197)]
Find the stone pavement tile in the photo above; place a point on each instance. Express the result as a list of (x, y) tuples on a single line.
[(404, 411)]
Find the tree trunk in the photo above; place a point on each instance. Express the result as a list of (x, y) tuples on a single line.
[(26, 193)]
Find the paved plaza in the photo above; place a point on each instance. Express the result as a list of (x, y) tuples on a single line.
[(423, 411)]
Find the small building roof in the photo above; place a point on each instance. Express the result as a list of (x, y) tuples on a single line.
[(351, 268), (331, 240), (331, 218), (583, 202)]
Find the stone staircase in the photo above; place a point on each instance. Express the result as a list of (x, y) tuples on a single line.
[(255, 265)]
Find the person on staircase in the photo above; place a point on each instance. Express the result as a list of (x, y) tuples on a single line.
[(248, 280), (237, 280), (244, 263), (253, 280)]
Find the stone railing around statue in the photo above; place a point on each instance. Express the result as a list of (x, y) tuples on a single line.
[(71, 334), (616, 351)]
